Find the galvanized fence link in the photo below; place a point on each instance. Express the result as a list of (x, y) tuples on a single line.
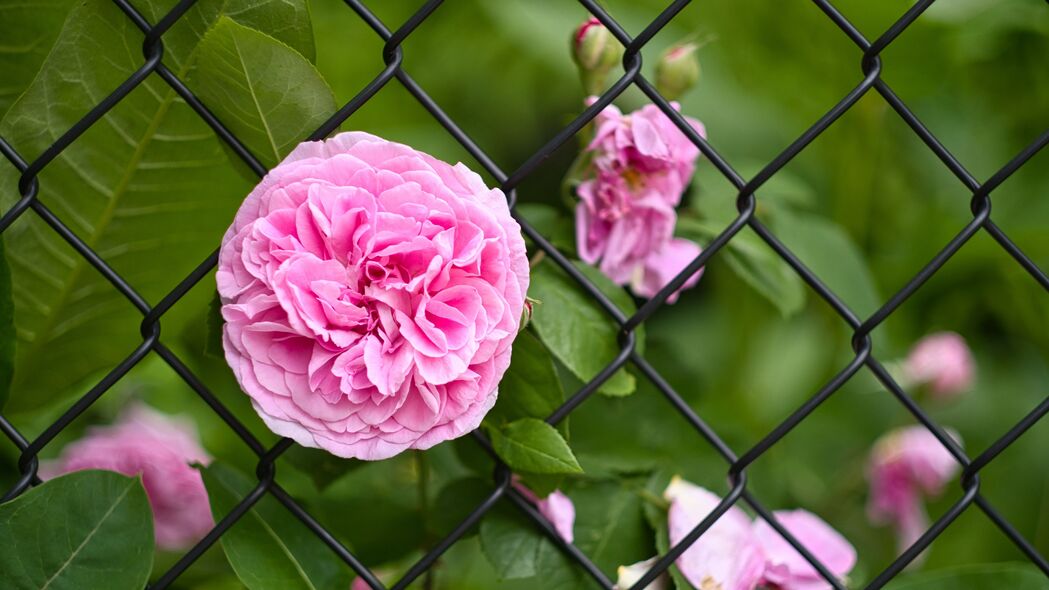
[(869, 57)]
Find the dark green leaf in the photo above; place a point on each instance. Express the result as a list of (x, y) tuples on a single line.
[(267, 93), (554, 225), (510, 543), (89, 529), (575, 328), (285, 20), (456, 501), (530, 388), (7, 328), (268, 547), (533, 445), (28, 30), (321, 466), (989, 576)]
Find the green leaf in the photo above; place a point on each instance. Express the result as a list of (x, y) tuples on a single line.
[(7, 328), (147, 187), (754, 262), (549, 221), (89, 529), (269, 548), (321, 466), (576, 329), (511, 544), (28, 30), (829, 252), (530, 388), (456, 501), (983, 576), (533, 445), (267, 93), (285, 20), (213, 345)]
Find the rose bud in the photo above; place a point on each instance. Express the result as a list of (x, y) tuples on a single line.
[(555, 507), (160, 448), (943, 362), (371, 294), (677, 70), (595, 51)]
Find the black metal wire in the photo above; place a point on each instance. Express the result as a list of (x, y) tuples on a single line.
[(392, 59)]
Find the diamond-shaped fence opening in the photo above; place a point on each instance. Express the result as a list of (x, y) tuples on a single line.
[(390, 71)]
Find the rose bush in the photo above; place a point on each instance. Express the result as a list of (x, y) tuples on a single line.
[(371, 294)]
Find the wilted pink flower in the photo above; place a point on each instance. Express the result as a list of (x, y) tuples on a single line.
[(906, 465), (556, 507), (641, 165), (785, 568), (943, 361), (371, 294), (663, 265), (160, 448), (727, 556)]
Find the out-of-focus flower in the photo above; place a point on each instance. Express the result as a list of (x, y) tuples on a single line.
[(663, 265), (162, 450), (555, 507), (677, 70), (359, 584), (727, 556), (640, 165), (943, 362), (628, 575), (786, 568), (905, 466), (595, 51), (371, 295)]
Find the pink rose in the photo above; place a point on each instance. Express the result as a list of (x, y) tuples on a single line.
[(628, 575), (906, 465), (641, 165), (785, 568), (943, 361), (663, 265), (161, 449), (556, 507), (371, 294)]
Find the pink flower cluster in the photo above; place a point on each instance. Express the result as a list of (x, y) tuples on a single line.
[(371, 294), (641, 165), (160, 448), (907, 465)]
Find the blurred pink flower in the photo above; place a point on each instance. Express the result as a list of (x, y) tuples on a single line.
[(943, 361), (727, 556), (160, 448), (663, 265), (641, 165), (360, 584), (785, 568), (556, 507), (628, 575), (906, 465), (371, 294)]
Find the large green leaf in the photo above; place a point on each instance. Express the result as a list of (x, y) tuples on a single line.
[(530, 388), (267, 93), (510, 543), (534, 446), (575, 328), (148, 187), (89, 529), (286, 20), (269, 548), (7, 328), (984, 576), (28, 30)]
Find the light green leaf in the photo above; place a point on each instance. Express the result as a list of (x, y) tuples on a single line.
[(7, 328), (285, 20), (984, 576), (575, 328), (530, 388), (511, 544), (28, 30), (89, 529), (269, 548), (267, 93), (535, 446), (148, 187)]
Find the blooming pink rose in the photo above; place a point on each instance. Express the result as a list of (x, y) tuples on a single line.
[(906, 465), (943, 361), (556, 507), (161, 449), (663, 265), (371, 294), (727, 556), (641, 165), (785, 568)]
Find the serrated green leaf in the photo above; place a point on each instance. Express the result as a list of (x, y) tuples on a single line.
[(7, 328), (285, 20), (89, 529), (983, 576), (267, 93), (269, 548), (530, 388), (535, 446), (575, 329), (511, 544)]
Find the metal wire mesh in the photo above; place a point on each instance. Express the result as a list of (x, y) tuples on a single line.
[(392, 57)]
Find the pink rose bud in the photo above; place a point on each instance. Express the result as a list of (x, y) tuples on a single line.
[(786, 568), (641, 165), (162, 450), (595, 51), (677, 70), (371, 294), (727, 556), (556, 507), (628, 575), (905, 466), (943, 362)]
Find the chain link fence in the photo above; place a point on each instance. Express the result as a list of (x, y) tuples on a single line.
[(869, 56)]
